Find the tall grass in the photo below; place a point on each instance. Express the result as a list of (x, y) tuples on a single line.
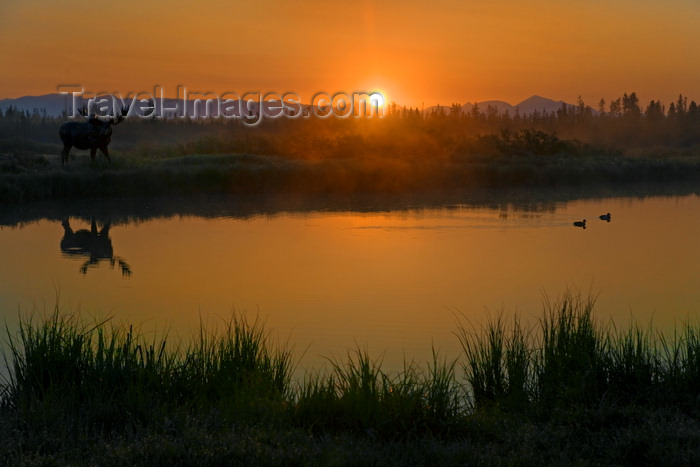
[(104, 376), (358, 396), (237, 371), (570, 362), (497, 366), (75, 377)]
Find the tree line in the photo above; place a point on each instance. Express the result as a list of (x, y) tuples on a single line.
[(622, 124)]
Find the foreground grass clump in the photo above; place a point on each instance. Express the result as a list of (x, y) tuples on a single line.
[(359, 397), (569, 362), (106, 378), (565, 390)]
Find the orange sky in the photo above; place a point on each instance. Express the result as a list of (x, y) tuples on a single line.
[(435, 52)]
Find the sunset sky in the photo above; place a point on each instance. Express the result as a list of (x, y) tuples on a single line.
[(417, 53)]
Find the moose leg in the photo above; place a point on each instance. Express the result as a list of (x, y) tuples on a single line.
[(105, 151), (105, 229), (66, 227), (64, 153)]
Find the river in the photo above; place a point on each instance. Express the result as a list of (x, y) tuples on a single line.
[(391, 276)]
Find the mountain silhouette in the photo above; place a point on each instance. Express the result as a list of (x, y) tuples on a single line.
[(528, 106), (55, 104)]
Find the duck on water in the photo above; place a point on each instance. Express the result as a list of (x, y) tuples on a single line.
[(580, 223)]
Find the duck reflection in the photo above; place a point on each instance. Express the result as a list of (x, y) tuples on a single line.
[(92, 244)]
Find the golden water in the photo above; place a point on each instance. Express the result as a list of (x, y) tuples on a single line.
[(394, 281)]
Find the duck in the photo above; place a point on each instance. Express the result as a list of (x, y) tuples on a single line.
[(605, 217), (580, 223)]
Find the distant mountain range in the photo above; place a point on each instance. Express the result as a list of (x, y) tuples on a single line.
[(56, 104), (528, 106)]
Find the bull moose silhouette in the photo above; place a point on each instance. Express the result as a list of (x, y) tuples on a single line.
[(93, 244), (92, 134)]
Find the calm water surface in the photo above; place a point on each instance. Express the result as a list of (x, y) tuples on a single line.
[(391, 280)]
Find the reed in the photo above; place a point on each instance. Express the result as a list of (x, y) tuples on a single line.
[(565, 377), (103, 377), (497, 365)]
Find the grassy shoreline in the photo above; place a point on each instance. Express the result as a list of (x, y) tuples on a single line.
[(35, 178), (568, 390)]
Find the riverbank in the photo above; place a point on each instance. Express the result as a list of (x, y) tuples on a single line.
[(571, 390), (25, 178)]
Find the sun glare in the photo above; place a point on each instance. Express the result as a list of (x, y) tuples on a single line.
[(377, 98)]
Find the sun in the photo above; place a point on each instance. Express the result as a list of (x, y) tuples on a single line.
[(377, 98)]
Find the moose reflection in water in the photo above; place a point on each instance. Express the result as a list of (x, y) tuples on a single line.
[(92, 244)]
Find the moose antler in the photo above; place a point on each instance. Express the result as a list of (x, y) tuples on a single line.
[(93, 120)]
